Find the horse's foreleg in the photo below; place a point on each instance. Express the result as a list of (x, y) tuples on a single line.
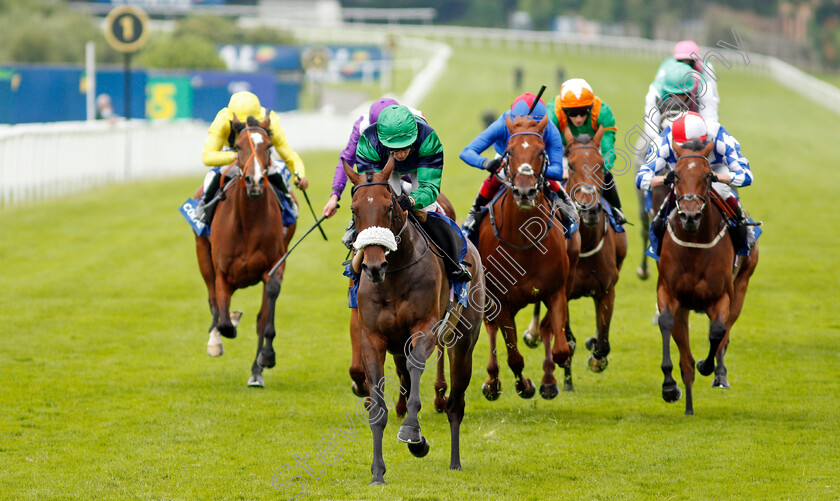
[(492, 387), (265, 357), (530, 337), (417, 351), (205, 265), (680, 335), (524, 387), (670, 391), (603, 316), (223, 295), (440, 382), (460, 372), (548, 385), (373, 355), (740, 292), (718, 317), (357, 369), (405, 383), (642, 271), (561, 352)]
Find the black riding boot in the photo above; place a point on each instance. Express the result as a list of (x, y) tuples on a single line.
[(474, 215), (610, 194), (659, 222), (205, 210), (739, 232), (449, 244)]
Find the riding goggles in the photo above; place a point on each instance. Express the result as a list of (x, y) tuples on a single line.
[(577, 112)]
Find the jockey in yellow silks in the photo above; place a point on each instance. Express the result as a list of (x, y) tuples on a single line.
[(218, 148)]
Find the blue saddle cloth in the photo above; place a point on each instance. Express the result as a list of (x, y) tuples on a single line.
[(457, 290), (187, 209)]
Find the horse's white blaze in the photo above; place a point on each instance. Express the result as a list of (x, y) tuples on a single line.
[(690, 165), (214, 344), (370, 200), (257, 138), (525, 145)]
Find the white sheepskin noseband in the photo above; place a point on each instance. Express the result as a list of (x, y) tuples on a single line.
[(376, 235)]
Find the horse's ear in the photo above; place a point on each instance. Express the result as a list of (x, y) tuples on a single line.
[(596, 141), (707, 150), (542, 125), (678, 150), (389, 168), (235, 120), (351, 174), (508, 122), (266, 123)]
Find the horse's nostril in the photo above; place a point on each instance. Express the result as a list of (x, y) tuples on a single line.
[(532, 193)]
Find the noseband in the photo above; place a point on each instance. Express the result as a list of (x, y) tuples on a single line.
[(688, 197), (394, 204), (525, 170), (254, 155), (586, 188)]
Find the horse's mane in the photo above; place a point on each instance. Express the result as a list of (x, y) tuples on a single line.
[(694, 144), (583, 138)]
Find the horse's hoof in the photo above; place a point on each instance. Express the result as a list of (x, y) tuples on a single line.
[(530, 340), (689, 412), (409, 434), (705, 369), (267, 362), (256, 382), (419, 449), (720, 382), (228, 331), (235, 316), (489, 393), (529, 390), (215, 350), (356, 391), (377, 482), (590, 343), (597, 364), (456, 466), (642, 273), (549, 391), (671, 395)]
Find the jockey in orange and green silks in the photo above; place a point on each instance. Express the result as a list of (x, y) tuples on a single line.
[(580, 111), (218, 148)]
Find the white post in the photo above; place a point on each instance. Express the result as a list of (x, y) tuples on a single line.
[(90, 77)]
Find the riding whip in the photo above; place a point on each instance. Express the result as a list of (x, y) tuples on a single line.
[(283, 259), (536, 100), (318, 223)]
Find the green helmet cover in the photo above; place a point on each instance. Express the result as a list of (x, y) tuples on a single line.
[(396, 127), (678, 78)]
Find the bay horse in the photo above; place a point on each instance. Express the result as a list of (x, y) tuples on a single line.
[(359, 387), (526, 261), (404, 299), (695, 273), (247, 237), (602, 250)]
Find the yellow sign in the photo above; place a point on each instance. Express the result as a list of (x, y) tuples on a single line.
[(127, 28)]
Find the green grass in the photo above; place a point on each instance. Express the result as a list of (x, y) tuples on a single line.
[(107, 392)]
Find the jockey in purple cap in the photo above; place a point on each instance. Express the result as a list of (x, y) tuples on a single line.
[(349, 152)]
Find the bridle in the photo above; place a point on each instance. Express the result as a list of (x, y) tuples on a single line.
[(524, 170), (688, 197), (584, 187), (394, 205), (252, 157)]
